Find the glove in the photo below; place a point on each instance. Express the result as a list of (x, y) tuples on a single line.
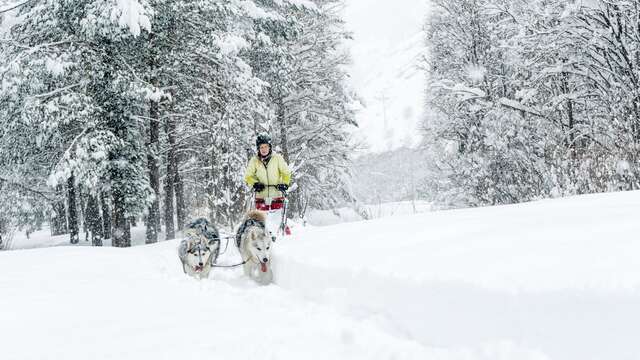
[(257, 187), (282, 187)]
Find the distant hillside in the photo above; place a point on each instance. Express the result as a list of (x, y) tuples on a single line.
[(389, 176)]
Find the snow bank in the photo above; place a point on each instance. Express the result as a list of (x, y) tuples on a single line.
[(558, 279), (582, 243), (373, 211), (107, 303)]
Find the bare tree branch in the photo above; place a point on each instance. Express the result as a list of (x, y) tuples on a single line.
[(15, 6)]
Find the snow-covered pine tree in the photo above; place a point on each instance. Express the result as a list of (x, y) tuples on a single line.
[(125, 119), (468, 77), (214, 100), (68, 76), (530, 99)]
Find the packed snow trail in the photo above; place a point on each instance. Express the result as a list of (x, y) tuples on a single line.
[(555, 279), (92, 303)]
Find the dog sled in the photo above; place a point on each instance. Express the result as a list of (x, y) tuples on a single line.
[(276, 211)]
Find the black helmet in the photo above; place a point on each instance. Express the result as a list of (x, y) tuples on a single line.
[(263, 138)]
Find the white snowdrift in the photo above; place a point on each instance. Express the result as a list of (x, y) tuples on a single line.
[(559, 278), (554, 279), (373, 211), (105, 303)]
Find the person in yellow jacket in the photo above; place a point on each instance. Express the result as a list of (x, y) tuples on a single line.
[(268, 174)]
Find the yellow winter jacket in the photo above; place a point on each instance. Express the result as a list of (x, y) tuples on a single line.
[(276, 172)]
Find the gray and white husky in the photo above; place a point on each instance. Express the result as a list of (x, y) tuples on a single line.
[(254, 243), (200, 248)]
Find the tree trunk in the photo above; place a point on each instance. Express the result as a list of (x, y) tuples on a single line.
[(295, 200), (169, 180), (211, 186), (282, 122), (74, 231), (121, 235), (106, 216), (121, 228), (296, 203), (209, 177), (181, 210), (153, 219), (153, 150), (59, 218), (82, 215), (94, 221), (118, 122), (571, 125), (178, 188)]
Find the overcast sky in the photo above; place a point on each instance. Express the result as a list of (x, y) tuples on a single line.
[(386, 47)]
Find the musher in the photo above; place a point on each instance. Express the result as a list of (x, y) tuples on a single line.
[(269, 176)]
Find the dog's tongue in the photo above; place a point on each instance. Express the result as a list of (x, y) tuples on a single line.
[(263, 267), (198, 268)]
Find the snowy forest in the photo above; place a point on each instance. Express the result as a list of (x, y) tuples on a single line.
[(126, 112), (319, 179), (531, 99), (119, 112)]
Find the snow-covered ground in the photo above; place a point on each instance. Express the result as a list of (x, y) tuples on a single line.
[(43, 238), (372, 211), (555, 279)]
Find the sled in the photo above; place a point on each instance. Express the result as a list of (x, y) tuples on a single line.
[(276, 209)]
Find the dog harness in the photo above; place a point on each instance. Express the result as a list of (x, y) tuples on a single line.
[(245, 225)]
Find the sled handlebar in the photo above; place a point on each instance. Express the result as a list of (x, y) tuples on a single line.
[(275, 186)]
